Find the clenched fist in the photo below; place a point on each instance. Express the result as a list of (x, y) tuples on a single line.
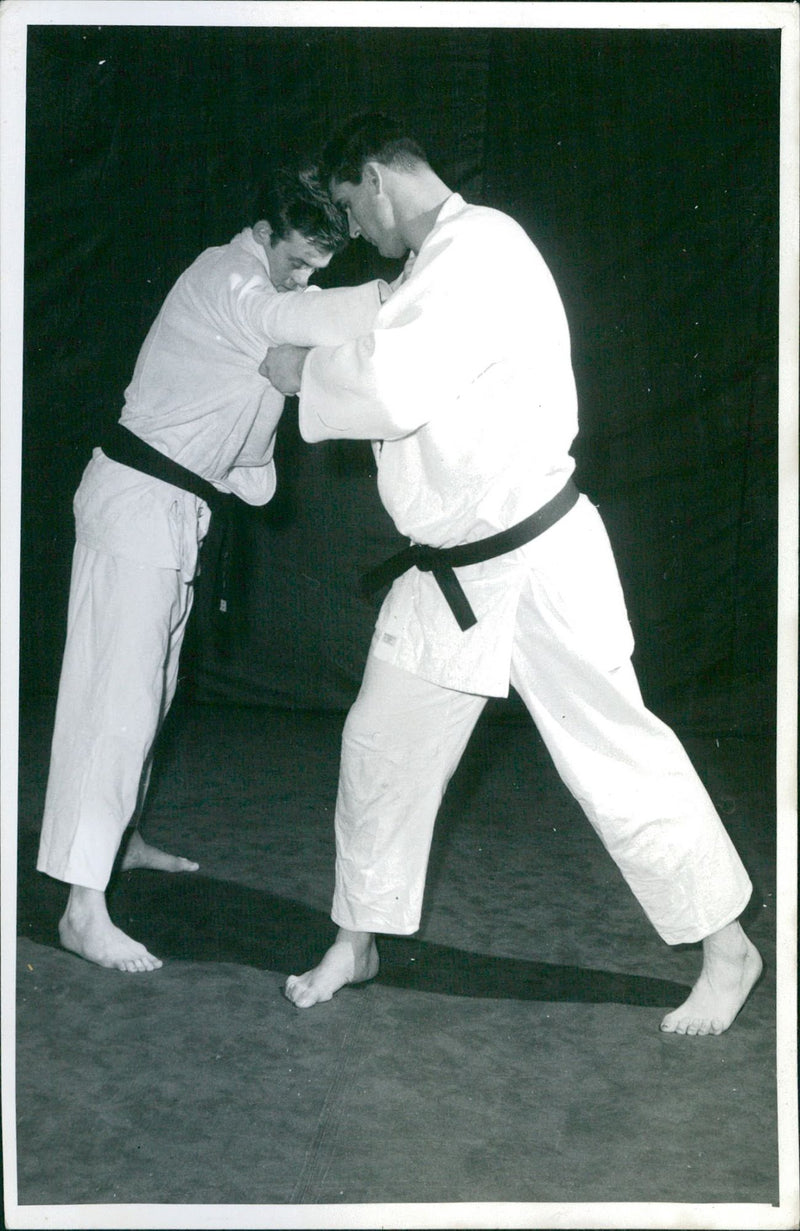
[(283, 367)]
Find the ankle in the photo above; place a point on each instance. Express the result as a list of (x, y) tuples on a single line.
[(359, 942), (728, 942), (85, 903)]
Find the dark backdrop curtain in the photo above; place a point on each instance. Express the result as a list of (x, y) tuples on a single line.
[(645, 166)]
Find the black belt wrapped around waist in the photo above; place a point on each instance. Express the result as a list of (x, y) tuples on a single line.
[(442, 560), (124, 446), (224, 558)]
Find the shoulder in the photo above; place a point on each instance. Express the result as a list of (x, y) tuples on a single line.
[(464, 214), (481, 224), (491, 245), (230, 265)]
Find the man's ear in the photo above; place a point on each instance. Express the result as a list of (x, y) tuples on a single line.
[(372, 176), (263, 232)]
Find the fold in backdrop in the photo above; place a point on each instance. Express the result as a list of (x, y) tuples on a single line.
[(644, 164)]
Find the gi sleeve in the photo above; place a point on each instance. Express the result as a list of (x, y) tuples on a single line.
[(437, 333), (315, 317)]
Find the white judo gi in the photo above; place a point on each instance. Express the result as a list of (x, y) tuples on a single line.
[(197, 396), (466, 386)]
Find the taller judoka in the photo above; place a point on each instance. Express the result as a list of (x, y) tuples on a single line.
[(466, 387), (196, 398)]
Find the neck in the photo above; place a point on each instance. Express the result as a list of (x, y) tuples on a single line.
[(420, 208)]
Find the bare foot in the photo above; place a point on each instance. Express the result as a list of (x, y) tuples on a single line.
[(731, 966), (140, 854), (352, 958), (86, 929)]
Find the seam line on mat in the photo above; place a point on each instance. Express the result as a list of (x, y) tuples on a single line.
[(320, 1153)]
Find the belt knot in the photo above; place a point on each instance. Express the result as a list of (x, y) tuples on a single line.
[(425, 557), (441, 561)]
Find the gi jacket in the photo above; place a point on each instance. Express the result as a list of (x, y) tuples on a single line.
[(197, 395), (465, 385)]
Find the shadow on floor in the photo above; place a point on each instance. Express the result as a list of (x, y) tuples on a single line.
[(199, 919)]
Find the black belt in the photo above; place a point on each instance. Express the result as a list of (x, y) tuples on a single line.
[(124, 446), (224, 552), (442, 560)]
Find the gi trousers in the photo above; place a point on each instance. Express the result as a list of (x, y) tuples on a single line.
[(404, 737), (125, 629)]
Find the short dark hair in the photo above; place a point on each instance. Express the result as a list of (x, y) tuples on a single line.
[(369, 135), (296, 201)]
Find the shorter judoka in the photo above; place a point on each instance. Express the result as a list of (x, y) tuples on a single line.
[(197, 428)]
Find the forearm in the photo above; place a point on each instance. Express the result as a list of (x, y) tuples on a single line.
[(321, 317)]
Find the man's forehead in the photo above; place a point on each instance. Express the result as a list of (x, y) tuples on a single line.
[(298, 246), (341, 191)]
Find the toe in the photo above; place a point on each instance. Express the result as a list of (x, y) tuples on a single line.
[(141, 965), (293, 989)]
